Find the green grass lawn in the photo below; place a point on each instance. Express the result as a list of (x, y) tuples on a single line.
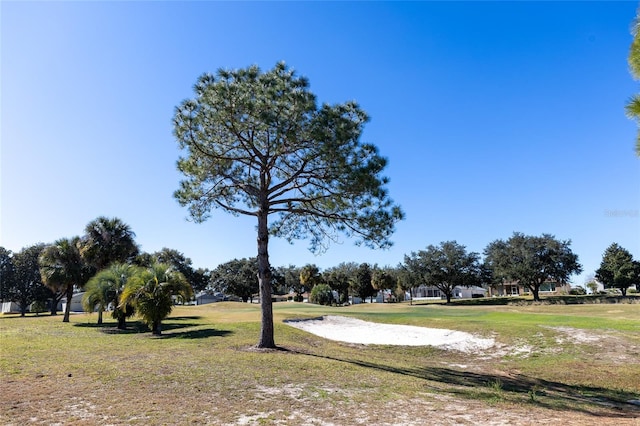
[(555, 364)]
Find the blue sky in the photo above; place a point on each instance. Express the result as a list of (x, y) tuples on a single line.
[(495, 116)]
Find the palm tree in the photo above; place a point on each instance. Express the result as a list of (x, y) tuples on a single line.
[(108, 240), (62, 268), (633, 106), (150, 291), (105, 289)]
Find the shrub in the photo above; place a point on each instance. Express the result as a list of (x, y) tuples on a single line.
[(37, 307), (578, 291), (321, 295)]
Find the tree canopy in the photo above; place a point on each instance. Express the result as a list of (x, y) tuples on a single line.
[(310, 276), (105, 288), (383, 279), (445, 267), (108, 240), (340, 277), (7, 273), (256, 143), (633, 105), (408, 279), (531, 261), (237, 277), (198, 278), (150, 292), (20, 277), (618, 269), (62, 267), (361, 285)]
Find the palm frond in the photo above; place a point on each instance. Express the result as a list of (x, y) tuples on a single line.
[(632, 109)]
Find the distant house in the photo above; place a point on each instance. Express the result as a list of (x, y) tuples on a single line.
[(76, 303), (206, 298), (515, 289), (459, 292), (10, 308)]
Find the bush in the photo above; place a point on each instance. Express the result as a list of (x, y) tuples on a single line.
[(298, 298), (578, 291), (37, 307), (321, 295)]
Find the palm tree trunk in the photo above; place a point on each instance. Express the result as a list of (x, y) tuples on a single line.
[(54, 304), (67, 309), (264, 282), (156, 328), (122, 323), (100, 317)]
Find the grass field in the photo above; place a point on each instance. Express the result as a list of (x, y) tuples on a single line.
[(555, 364)]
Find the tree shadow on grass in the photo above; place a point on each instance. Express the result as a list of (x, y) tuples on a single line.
[(133, 327), (195, 334), (591, 400), (168, 330), (12, 315), (111, 327)]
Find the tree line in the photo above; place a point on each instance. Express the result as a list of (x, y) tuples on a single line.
[(530, 261), (107, 264)]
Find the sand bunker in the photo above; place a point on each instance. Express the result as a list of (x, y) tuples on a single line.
[(352, 330)]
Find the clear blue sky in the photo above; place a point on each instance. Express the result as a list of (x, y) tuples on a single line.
[(496, 117)]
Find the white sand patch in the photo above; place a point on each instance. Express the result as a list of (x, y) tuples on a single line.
[(575, 335), (352, 330)]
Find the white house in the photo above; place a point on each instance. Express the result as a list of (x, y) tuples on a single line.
[(459, 292), (76, 303), (10, 308)]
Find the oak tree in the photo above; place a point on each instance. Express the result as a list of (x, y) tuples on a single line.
[(20, 277), (340, 277), (237, 277), (531, 261), (198, 278), (446, 267)]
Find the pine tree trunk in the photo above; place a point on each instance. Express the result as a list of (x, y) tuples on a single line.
[(264, 282)]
